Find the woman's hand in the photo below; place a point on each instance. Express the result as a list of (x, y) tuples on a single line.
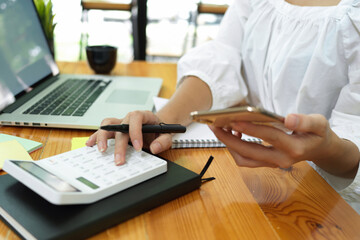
[(312, 139), (157, 143)]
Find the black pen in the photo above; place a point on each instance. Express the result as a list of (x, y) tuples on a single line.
[(147, 128)]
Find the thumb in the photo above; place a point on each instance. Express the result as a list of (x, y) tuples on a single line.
[(312, 123), (161, 143)]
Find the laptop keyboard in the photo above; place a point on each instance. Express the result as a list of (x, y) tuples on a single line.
[(72, 98)]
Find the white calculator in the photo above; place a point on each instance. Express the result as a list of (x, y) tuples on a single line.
[(85, 175)]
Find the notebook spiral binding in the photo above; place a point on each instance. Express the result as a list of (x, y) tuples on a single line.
[(205, 143)]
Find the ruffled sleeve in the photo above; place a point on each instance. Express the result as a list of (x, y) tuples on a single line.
[(218, 62), (345, 118)]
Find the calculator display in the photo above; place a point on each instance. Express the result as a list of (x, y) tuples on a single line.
[(46, 177), (87, 182)]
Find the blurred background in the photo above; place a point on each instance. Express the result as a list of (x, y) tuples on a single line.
[(173, 27)]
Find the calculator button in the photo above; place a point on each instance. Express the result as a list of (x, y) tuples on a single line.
[(98, 166), (145, 167), (120, 178), (133, 171)]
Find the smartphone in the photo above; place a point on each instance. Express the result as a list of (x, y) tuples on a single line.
[(223, 117)]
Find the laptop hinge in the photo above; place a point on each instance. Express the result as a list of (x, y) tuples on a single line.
[(26, 97)]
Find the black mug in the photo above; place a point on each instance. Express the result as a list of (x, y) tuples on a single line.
[(101, 58)]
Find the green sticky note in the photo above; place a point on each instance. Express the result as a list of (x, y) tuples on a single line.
[(28, 144)]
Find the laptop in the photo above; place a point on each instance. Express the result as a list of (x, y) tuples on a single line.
[(33, 93)]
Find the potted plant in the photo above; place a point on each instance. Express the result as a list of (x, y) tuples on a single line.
[(44, 9)]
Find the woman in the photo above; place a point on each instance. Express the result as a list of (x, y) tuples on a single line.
[(298, 58)]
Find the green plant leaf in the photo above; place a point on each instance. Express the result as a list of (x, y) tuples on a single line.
[(44, 9)]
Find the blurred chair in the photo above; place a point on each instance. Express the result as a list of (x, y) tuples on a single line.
[(212, 8), (138, 9), (105, 5)]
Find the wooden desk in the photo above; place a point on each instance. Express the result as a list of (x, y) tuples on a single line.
[(241, 203)]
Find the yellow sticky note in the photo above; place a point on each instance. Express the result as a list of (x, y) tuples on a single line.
[(12, 150), (78, 142)]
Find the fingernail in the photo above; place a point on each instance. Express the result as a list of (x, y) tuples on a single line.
[(155, 147), (118, 159), (292, 121), (136, 145), (101, 146)]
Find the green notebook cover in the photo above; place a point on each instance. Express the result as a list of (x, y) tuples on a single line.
[(35, 217)]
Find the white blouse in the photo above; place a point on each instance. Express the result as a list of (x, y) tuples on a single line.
[(288, 59)]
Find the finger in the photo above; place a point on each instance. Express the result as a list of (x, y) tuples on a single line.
[(245, 162), (308, 131), (267, 133), (273, 136), (260, 156), (121, 144), (160, 144), (312, 123), (291, 148), (135, 126), (91, 140), (102, 136), (253, 151), (136, 120)]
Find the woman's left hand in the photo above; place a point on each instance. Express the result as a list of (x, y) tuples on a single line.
[(312, 139)]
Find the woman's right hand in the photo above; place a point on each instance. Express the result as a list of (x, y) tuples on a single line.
[(155, 142)]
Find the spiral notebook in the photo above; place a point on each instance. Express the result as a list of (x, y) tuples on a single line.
[(197, 135)]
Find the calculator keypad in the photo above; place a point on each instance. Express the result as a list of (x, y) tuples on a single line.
[(100, 169)]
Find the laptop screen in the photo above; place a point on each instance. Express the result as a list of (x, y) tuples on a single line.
[(25, 57)]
